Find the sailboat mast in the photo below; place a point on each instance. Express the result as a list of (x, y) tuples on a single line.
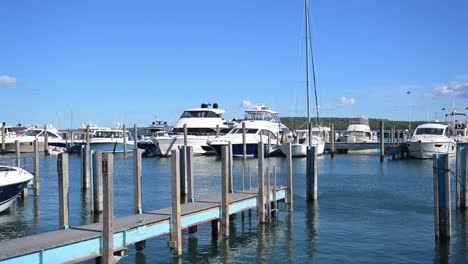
[(306, 8)]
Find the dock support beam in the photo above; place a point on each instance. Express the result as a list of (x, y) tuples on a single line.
[(442, 215), (183, 171), (461, 177), (189, 170), (36, 168), (289, 190), (311, 174), (244, 142), (108, 216), (175, 243), (3, 137), (230, 162), (382, 142), (62, 171), (261, 185), (17, 152), (225, 162), (85, 183), (98, 190), (124, 133), (46, 141), (137, 193)]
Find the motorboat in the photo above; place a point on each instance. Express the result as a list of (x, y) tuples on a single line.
[(145, 142), (261, 125), (104, 139), (301, 142), (12, 181), (202, 124), (358, 131), (33, 133), (460, 126), (431, 138)]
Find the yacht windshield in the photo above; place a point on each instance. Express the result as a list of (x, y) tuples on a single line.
[(107, 134), (261, 115), (203, 114), (429, 131), (247, 131), (32, 133)]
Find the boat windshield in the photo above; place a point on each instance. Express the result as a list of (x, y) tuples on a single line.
[(200, 114), (247, 131), (429, 131), (32, 133), (262, 115), (107, 134)]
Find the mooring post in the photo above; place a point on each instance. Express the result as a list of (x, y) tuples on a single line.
[(46, 141), (461, 176), (183, 172), (311, 174), (98, 188), (135, 136), (332, 141), (87, 162), (137, 194), (275, 210), (185, 134), (244, 142), (268, 145), (243, 175), (382, 141), (17, 152), (250, 176), (225, 176), (189, 171), (261, 185), (289, 188), (217, 130), (442, 215), (124, 133), (175, 243), (268, 191), (108, 216), (230, 164), (36, 168), (62, 170), (3, 137)]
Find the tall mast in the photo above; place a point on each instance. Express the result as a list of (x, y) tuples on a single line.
[(306, 9)]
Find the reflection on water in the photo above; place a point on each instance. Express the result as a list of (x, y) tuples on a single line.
[(367, 211)]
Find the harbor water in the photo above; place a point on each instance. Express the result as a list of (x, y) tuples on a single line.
[(367, 212)]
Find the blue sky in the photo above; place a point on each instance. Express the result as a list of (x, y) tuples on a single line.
[(129, 61)]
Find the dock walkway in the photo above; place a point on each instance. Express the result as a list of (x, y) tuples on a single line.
[(85, 242)]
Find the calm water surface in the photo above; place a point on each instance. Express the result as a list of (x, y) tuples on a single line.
[(367, 212)]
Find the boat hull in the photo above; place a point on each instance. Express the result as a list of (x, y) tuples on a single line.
[(167, 143), (425, 150), (12, 182), (300, 150)]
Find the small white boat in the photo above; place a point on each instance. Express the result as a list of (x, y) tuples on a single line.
[(261, 125), (431, 138), (202, 124), (105, 139), (299, 146), (12, 181), (33, 133)]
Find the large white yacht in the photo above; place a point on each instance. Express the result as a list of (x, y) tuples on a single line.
[(261, 125), (32, 133), (202, 124), (103, 138), (429, 139), (358, 131)]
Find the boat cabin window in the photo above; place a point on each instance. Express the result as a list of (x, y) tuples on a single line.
[(200, 131), (108, 134), (33, 133), (51, 135), (200, 114), (268, 133), (7, 169), (247, 131), (261, 115), (429, 131)]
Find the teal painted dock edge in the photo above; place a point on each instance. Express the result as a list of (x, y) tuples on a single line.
[(85, 242)]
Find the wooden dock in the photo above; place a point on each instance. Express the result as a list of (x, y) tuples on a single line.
[(85, 242)]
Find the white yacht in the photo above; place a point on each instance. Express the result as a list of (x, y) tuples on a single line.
[(12, 182), (429, 139), (103, 138), (358, 131), (145, 142), (301, 142), (202, 124), (33, 133), (261, 125), (461, 128)]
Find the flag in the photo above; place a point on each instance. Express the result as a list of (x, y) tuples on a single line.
[(450, 114)]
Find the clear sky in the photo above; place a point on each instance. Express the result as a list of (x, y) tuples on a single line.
[(72, 62)]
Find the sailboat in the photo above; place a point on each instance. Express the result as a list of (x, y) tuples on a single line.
[(305, 137)]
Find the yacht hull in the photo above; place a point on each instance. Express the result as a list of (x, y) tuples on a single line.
[(167, 143), (425, 150)]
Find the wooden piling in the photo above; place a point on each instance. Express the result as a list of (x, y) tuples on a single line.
[(217, 130), (137, 193), (108, 216), (268, 145), (442, 215), (63, 181), (225, 190), (36, 168), (86, 180), (18, 155), (175, 244), (382, 141), (275, 210), (244, 141), (135, 135), (261, 185), (189, 171), (3, 137), (230, 171), (311, 174), (332, 141), (183, 172), (98, 189), (289, 188), (46, 141), (243, 175), (268, 191), (124, 133), (461, 177), (185, 134)]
